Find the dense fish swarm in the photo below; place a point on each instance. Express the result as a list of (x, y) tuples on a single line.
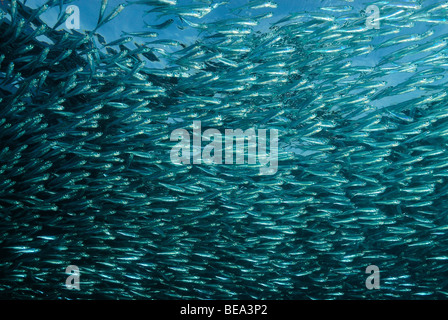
[(87, 180)]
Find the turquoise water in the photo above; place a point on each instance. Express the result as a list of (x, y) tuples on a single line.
[(356, 132)]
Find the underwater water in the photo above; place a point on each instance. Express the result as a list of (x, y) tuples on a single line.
[(114, 154)]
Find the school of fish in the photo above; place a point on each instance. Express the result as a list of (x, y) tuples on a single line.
[(86, 177)]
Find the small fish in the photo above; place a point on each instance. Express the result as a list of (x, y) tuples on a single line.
[(112, 15), (85, 154), (102, 10), (143, 34), (119, 42), (162, 25)]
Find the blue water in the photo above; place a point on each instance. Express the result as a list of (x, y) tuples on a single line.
[(87, 180)]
